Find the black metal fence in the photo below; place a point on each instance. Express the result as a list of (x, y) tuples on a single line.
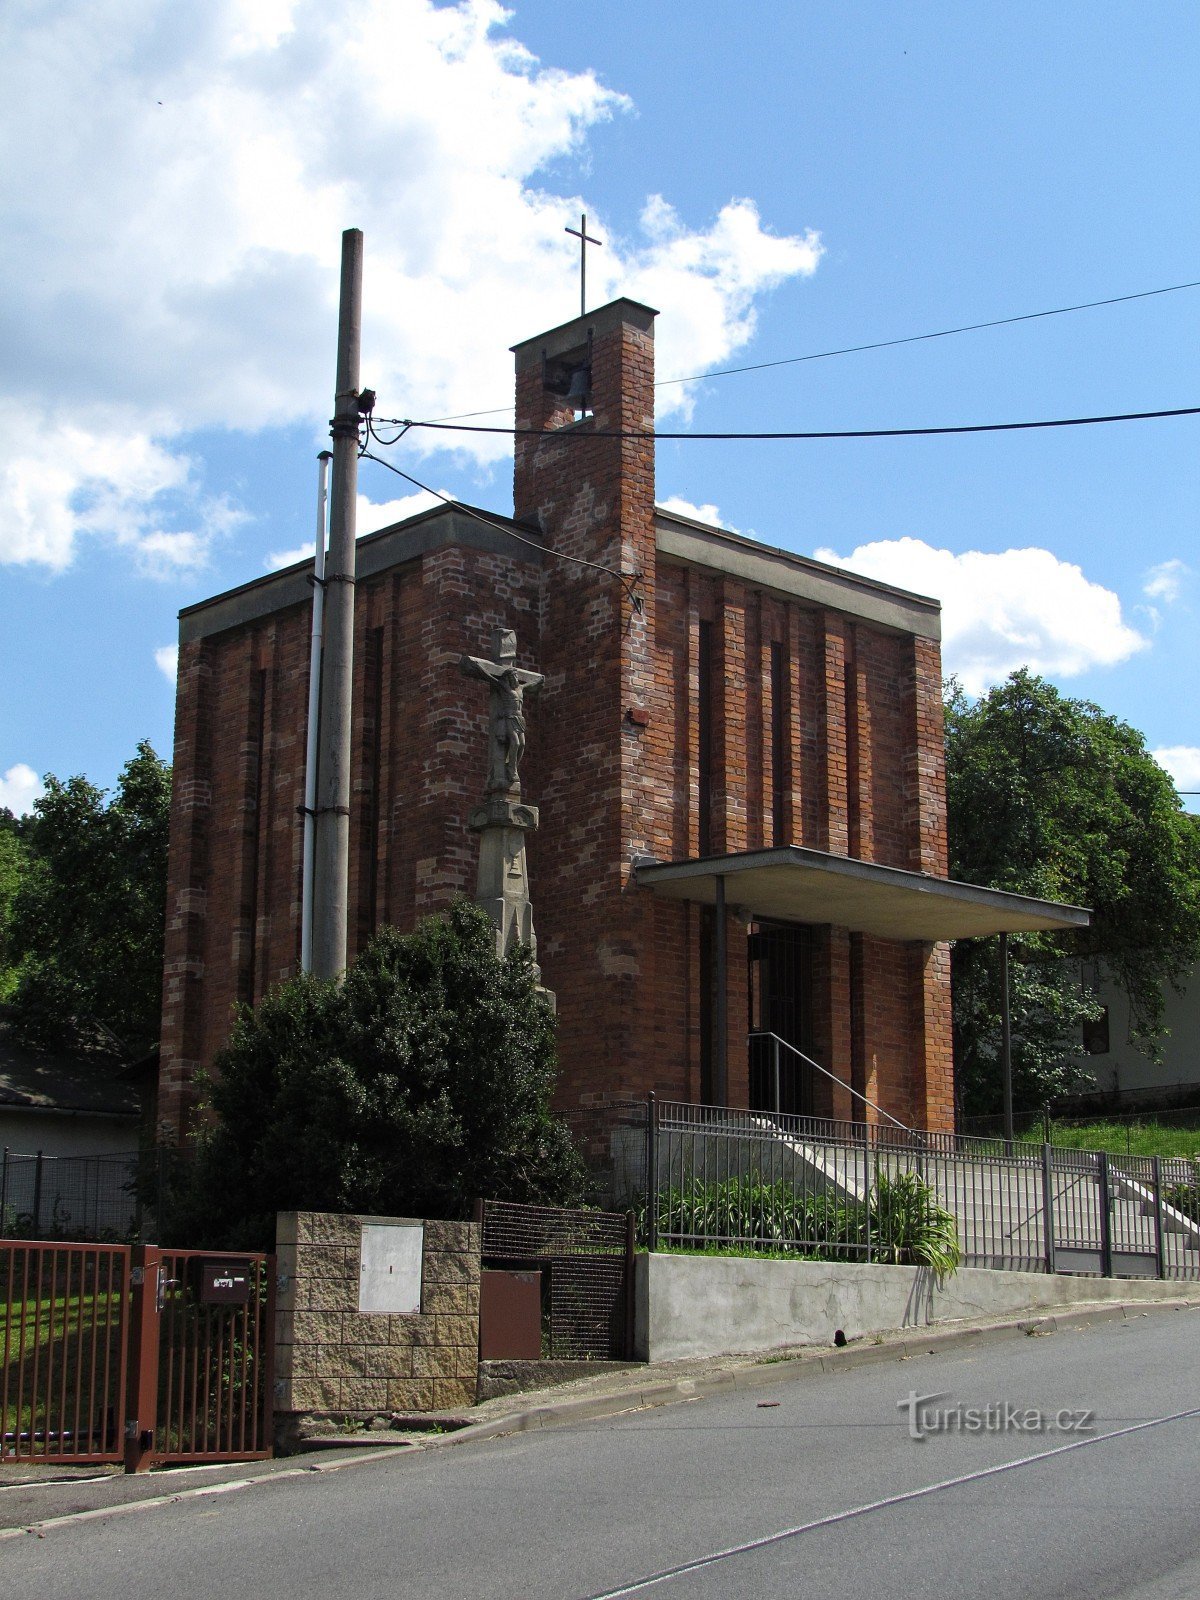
[(706, 1177), (110, 1198)]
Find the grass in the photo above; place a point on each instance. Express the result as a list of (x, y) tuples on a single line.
[(664, 1248), (40, 1344), (1137, 1137), (64, 1313)]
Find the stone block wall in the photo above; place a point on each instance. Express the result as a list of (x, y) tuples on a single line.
[(333, 1360)]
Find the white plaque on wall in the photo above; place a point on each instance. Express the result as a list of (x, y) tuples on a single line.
[(389, 1280)]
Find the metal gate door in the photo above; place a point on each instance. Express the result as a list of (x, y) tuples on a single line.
[(64, 1322), (201, 1362), (133, 1353)]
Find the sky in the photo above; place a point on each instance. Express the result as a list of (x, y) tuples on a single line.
[(777, 180)]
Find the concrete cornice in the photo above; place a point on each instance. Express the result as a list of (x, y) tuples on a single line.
[(795, 577), (377, 552), (569, 336)]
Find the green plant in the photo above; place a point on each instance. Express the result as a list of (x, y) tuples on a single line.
[(901, 1222), (1184, 1195), (912, 1228)]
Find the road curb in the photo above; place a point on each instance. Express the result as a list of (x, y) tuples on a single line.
[(755, 1371), (759, 1372)]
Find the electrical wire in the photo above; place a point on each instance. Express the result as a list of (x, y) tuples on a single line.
[(826, 433), (941, 333), (628, 581), (883, 344)]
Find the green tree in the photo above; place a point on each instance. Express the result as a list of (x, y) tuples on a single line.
[(86, 922), (419, 1083), (12, 860), (1053, 797)]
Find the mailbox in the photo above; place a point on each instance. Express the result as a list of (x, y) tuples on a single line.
[(225, 1283)]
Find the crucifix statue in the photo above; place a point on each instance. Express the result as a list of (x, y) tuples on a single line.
[(506, 732), (503, 820), (585, 239)]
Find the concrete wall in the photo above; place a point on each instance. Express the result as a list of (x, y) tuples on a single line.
[(1125, 1069), (331, 1359), (714, 1305)]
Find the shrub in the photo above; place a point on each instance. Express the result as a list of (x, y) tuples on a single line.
[(420, 1082)]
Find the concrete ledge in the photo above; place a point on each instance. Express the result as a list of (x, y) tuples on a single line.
[(697, 1306)]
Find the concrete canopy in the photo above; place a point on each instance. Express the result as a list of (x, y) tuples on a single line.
[(795, 885)]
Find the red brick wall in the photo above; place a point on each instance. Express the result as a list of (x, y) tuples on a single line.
[(862, 775)]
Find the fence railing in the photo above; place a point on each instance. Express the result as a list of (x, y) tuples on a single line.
[(709, 1177)]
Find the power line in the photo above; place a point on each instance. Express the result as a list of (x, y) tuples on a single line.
[(941, 333), (827, 433), (886, 344)]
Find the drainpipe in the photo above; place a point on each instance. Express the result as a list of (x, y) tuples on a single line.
[(314, 715), (720, 999)]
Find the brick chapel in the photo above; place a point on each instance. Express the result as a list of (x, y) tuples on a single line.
[(736, 754)]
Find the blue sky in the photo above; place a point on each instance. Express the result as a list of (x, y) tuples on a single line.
[(777, 180)]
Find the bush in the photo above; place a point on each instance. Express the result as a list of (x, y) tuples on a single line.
[(1184, 1196), (419, 1083)]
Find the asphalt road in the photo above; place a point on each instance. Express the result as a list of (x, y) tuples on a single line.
[(808, 1487)]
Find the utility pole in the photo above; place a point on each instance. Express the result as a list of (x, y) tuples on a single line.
[(332, 855)]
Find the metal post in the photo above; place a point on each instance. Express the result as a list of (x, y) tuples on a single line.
[(1048, 1204), (1156, 1168), (314, 714), (4, 1194), (720, 999), (775, 1053), (332, 856), (37, 1196), (630, 1282), (1106, 1255), (1006, 1046), (146, 1277), (651, 1171)]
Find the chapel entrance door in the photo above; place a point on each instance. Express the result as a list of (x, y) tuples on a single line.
[(781, 989)]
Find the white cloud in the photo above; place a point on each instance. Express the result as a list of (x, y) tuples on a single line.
[(166, 659), (705, 513), (376, 514), (1182, 761), (1015, 608), (186, 226), (19, 788), (372, 515), (100, 474), (1165, 581)]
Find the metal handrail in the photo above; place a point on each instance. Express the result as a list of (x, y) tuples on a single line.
[(765, 1033)]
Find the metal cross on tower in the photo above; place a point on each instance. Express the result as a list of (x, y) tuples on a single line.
[(585, 239)]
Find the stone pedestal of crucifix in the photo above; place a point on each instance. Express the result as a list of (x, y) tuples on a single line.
[(503, 820)]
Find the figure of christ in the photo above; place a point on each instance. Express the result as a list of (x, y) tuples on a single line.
[(506, 734)]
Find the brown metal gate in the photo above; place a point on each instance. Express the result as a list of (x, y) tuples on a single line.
[(64, 1326), (586, 1262), (136, 1354)]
